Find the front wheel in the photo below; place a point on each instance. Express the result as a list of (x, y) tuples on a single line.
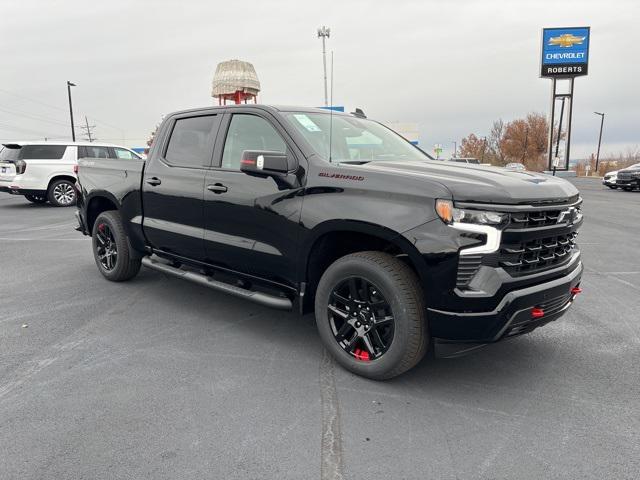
[(111, 249), (370, 314), (38, 199), (612, 187)]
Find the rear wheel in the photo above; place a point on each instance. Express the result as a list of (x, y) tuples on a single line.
[(62, 193), (36, 198), (111, 249), (370, 314)]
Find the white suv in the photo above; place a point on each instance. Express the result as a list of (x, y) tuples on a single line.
[(46, 171)]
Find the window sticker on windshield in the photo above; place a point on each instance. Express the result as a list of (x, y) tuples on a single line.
[(306, 122)]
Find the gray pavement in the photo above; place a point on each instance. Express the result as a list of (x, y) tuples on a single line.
[(158, 378)]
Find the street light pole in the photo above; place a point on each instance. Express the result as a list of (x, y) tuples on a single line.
[(323, 32), (73, 131), (599, 138)]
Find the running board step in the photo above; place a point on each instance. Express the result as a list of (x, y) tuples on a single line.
[(257, 297)]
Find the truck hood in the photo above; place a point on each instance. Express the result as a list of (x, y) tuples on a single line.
[(483, 184)]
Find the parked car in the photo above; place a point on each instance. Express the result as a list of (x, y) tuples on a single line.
[(629, 178), (393, 252), (610, 179), (44, 171), (515, 166)]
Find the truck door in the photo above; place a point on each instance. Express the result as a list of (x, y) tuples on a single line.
[(251, 223), (173, 186)]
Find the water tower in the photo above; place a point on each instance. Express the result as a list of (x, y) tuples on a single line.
[(235, 80)]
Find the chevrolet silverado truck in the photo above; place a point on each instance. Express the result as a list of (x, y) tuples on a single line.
[(335, 214)]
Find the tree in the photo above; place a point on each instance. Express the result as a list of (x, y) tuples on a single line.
[(525, 141), (473, 147), (496, 137)]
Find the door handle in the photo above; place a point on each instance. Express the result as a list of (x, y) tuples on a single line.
[(217, 188), (153, 181)]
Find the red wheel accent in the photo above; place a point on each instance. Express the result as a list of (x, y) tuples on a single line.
[(361, 355)]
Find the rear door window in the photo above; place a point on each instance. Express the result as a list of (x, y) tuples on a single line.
[(42, 152), (90, 151), (191, 141)]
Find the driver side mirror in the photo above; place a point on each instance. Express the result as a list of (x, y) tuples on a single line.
[(264, 162)]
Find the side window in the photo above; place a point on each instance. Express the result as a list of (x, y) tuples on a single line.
[(125, 154), (191, 142), (90, 151), (42, 152), (249, 132)]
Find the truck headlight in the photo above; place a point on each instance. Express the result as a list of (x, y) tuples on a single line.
[(450, 214)]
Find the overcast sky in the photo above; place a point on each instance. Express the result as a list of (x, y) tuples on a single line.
[(450, 66)]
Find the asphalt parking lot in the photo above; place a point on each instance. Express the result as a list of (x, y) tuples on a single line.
[(159, 378)]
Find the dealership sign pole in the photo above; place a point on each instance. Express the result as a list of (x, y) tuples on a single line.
[(564, 56)]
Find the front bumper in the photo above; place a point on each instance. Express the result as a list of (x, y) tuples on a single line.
[(513, 315), (632, 183)]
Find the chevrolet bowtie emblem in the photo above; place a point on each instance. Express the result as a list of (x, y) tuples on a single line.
[(569, 215), (566, 40)]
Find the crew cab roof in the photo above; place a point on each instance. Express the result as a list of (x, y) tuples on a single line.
[(263, 107)]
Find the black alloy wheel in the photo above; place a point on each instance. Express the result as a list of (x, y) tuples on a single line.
[(361, 319), (106, 247), (370, 314)]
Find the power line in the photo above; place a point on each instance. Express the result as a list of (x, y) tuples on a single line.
[(33, 117), (93, 119), (10, 128)]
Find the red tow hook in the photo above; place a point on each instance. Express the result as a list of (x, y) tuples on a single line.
[(576, 290), (537, 312)]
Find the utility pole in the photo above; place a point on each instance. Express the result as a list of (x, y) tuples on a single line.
[(599, 138), (87, 130), (455, 149), (323, 32), (73, 131)]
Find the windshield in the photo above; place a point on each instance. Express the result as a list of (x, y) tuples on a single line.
[(9, 154), (353, 139)]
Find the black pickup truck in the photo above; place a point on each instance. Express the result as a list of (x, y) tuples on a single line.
[(334, 213)]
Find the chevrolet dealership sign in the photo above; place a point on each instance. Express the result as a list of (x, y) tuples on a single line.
[(565, 52)]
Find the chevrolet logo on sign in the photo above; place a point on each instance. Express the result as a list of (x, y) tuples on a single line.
[(567, 40), (565, 52)]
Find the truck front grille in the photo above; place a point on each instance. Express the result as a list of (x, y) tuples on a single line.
[(522, 220), (536, 255)]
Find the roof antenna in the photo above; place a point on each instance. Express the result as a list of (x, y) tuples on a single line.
[(331, 111)]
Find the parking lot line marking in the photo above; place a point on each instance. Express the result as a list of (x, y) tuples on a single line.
[(621, 273), (331, 465)]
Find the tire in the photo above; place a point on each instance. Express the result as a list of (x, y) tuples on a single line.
[(612, 187), (379, 275), (62, 193), (38, 199), (108, 235), (626, 189)]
